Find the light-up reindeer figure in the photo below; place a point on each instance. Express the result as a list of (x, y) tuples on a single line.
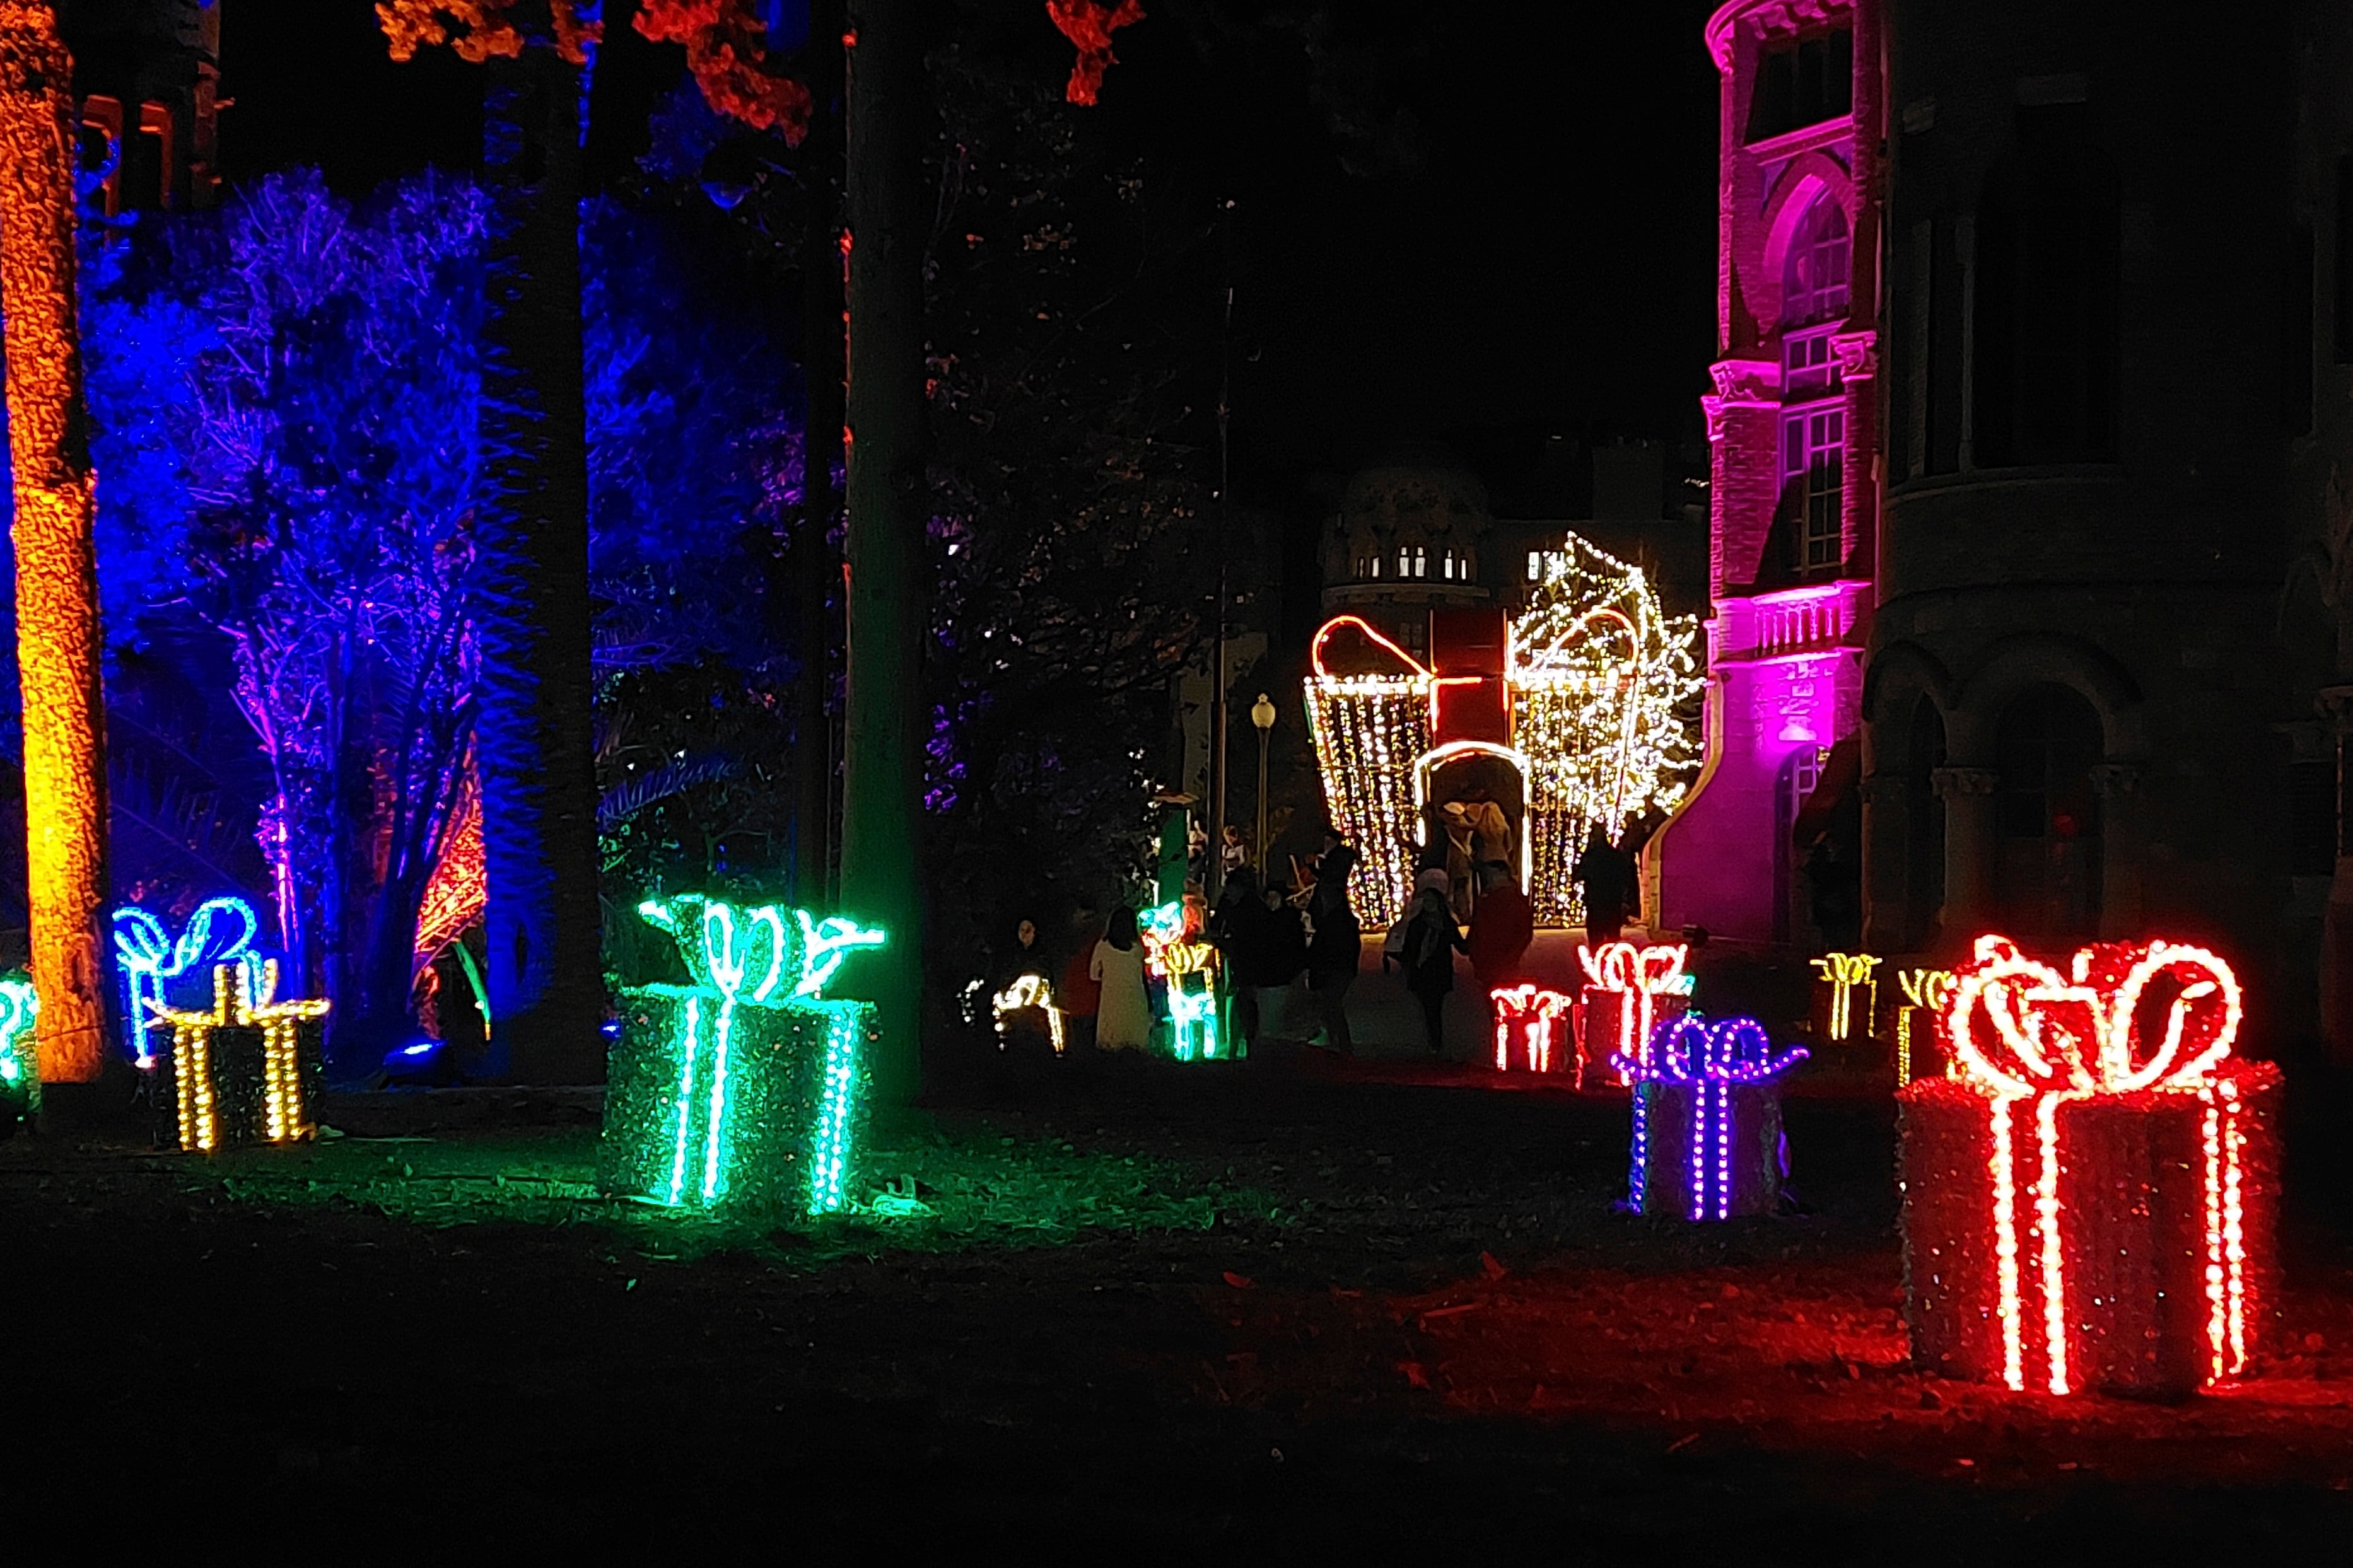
[(1190, 967), (762, 957)]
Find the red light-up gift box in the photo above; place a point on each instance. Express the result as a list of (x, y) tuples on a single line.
[(2090, 1204), (1534, 1030), (1629, 991)]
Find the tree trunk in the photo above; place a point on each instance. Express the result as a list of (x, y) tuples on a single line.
[(815, 566), (56, 569), (886, 716), (532, 616)]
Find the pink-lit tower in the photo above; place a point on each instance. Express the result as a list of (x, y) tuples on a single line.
[(1791, 427)]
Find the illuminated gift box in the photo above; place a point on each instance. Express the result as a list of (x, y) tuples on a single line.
[(745, 1089), (2091, 1202), (20, 1080), (1018, 1005), (245, 1071), (1917, 1046), (1707, 1142), (1629, 991), (1174, 953), (1534, 1030), (1846, 997)]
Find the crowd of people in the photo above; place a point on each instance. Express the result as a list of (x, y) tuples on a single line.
[(1268, 934)]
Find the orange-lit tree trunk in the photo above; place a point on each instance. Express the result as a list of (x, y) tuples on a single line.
[(57, 571)]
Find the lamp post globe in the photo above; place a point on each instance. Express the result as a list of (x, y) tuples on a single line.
[(1261, 715)]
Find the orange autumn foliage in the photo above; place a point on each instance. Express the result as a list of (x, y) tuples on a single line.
[(1089, 24), (477, 30), (726, 52)]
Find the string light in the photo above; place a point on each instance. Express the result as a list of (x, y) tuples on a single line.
[(1846, 973), (227, 1092), (1599, 682), (1533, 1017), (2022, 1031), (219, 930), (1172, 951), (1027, 991), (1926, 992), (1627, 988), (1690, 1059), (718, 1088), (1603, 685)]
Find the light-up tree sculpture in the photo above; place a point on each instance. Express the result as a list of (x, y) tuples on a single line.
[(56, 572), (533, 750)]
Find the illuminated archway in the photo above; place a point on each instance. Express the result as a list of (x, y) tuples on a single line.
[(1599, 684)]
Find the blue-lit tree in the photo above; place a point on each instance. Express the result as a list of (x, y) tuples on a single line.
[(289, 392), (334, 468)]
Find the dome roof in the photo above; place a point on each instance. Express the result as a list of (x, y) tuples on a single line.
[(1425, 501)]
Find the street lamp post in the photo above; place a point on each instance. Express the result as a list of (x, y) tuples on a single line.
[(1261, 715)]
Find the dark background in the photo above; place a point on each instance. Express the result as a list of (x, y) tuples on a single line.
[(1484, 223)]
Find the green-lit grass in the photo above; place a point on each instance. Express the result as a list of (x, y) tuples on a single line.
[(930, 1187)]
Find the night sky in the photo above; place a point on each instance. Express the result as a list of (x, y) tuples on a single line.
[(1528, 249)]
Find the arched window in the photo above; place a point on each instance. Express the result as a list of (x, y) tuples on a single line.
[(2047, 859), (1814, 274), (2049, 263)]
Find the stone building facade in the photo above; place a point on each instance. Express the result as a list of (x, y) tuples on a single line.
[(147, 82), (2104, 670), (1792, 421), (1409, 537)]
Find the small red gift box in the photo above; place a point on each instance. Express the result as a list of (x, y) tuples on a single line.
[(2084, 1208), (1534, 1030), (1629, 991)]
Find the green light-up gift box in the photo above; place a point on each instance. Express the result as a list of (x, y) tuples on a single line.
[(745, 1089)]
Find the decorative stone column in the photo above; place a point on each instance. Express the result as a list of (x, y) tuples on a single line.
[(2336, 922), (1886, 889), (1968, 795), (2122, 850)]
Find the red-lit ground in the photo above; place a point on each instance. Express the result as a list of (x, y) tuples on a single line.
[(1156, 1310)]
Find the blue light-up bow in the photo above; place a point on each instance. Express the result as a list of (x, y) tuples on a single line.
[(220, 930), (745, 957), (1691, 1049)]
